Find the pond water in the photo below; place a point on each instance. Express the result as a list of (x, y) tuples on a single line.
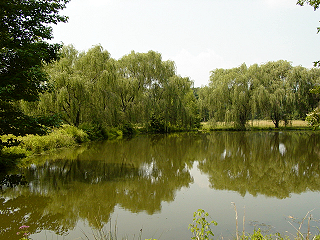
[(150, 186)]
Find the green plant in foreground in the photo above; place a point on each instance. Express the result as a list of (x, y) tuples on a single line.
[(257, 235), (24, 232), (200, 227)]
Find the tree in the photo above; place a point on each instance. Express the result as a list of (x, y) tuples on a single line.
[(275, 95), (142, 79), (178, 103), (219, 94), (202, 101), (274, 90), (81, 87), (230, 95), (24, 27), (91, 89), (76, 84), (241, 97), (301, 81)]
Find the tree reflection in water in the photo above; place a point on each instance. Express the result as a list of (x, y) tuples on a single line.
[(88, 182), (269, 163)]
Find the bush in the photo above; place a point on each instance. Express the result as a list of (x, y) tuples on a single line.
[(94, 131), (313, 118), (128, 129), (200, 227), (157, 124), (17, 151), (97, 132), (113, 133), (78, 134)]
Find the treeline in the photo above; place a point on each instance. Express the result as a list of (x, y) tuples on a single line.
[(275, 90), (91, 89)]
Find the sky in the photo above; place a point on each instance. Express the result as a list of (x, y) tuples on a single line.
[(198, 35)]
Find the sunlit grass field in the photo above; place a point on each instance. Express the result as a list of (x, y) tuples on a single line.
[(256, 124), (269, 123)]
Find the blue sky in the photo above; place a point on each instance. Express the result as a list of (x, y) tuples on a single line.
[(198, 35)]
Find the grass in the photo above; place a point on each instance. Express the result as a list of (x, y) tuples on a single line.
[(256, 125)]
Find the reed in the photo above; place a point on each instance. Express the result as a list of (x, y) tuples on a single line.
[(299, 234), (235, 209)]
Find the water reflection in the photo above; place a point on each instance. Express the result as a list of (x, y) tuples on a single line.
[(88, 182), (272, 164)]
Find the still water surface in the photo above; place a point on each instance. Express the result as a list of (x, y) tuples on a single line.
[(149, 186)]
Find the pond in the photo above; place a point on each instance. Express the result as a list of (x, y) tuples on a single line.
[(150, 186)]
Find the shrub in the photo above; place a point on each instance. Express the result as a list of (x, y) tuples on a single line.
[(313, 118), (128, 129), (18, 151), (113, 133), (157, 124), (94, 131)]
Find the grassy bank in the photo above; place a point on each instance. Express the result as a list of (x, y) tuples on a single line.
[(64, 136)]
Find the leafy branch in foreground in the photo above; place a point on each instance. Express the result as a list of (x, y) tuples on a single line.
[(200, 227)]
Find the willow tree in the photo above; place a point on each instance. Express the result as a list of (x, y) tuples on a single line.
[(79, 87), (230, 95), (220, 94), (98, 71), (70, 93), (276, 99), (142, 77), (202, 95), (313, 117), (178, 103), (241, 97), (90, 87)]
